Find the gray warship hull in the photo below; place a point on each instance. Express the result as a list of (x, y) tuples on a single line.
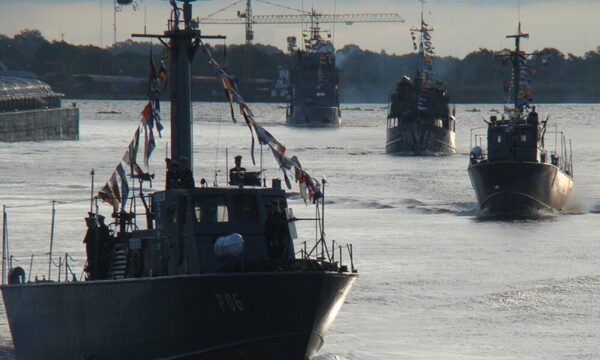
[(519, 189), (314, 116), (261, 315), (417, 138)]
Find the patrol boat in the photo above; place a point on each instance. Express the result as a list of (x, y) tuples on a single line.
[(202, 280), (419, 121), (518, 176), (314, 99)]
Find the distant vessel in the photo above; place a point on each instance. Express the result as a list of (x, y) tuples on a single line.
[(31, 111), (419, 121), (314, 99), (213, 275), (518, 176)]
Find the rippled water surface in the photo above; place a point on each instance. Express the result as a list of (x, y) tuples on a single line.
[(435, 281)]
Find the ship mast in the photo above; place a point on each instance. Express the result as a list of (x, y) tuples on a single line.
[(422, 29), (516, 62), (183, 41)]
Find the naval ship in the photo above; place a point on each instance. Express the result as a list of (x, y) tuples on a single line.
[(314, 79), (518, 175), (213, 275), (419, 121)]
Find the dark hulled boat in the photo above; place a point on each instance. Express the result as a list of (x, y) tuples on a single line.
[(419, 121), (314, 78), (518, 176), (213, 275)]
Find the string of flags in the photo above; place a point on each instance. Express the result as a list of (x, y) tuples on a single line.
[(525, 91), (425, 62), (310, 188), (116, 191)]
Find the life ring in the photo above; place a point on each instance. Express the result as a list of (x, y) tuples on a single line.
[(16, 276)]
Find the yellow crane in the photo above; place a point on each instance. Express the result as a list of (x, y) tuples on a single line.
[(247, 19)]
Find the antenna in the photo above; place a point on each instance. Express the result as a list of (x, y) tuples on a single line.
[(101, 23)]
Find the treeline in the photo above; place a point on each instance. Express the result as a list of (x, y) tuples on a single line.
[(366, 76)]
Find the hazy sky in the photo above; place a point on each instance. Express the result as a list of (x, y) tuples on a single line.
[(461, 26)]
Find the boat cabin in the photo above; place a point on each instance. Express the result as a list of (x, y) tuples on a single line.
[(404, 105), (195, 231), (189, 223), (513, 140)]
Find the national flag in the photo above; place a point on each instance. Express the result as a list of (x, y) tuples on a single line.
[(124, 185), (134, 145), (157, 121), (114, 186), (150, 144), (107, 196)]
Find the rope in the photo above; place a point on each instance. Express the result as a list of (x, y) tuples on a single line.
[(219, 128), (45, 203)]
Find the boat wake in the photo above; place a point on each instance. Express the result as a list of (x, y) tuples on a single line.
[(367, 152), (518, 215), (334, 357), (354, 203), (456, 208), (576, 205)]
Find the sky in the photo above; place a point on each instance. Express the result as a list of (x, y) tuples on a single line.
[(461, 26)]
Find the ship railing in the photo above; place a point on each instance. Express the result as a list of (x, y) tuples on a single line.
[(326, 254), (321, 251), (478, 137), (561, 154), (23, 267), (60, 270)]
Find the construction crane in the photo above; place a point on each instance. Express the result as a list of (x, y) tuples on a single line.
[(247, 19)]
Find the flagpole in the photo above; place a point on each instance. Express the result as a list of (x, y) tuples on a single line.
[(262, 178), (51, 240), (92, 173)]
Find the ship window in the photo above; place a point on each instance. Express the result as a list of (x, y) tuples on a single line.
[(499, 139), (245, 208), (523, 138), (211, 209)]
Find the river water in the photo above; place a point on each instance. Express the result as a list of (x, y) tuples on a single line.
[(436, 282)]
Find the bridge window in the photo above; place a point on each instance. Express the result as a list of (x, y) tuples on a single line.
[(245, 208), (211, 209)]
